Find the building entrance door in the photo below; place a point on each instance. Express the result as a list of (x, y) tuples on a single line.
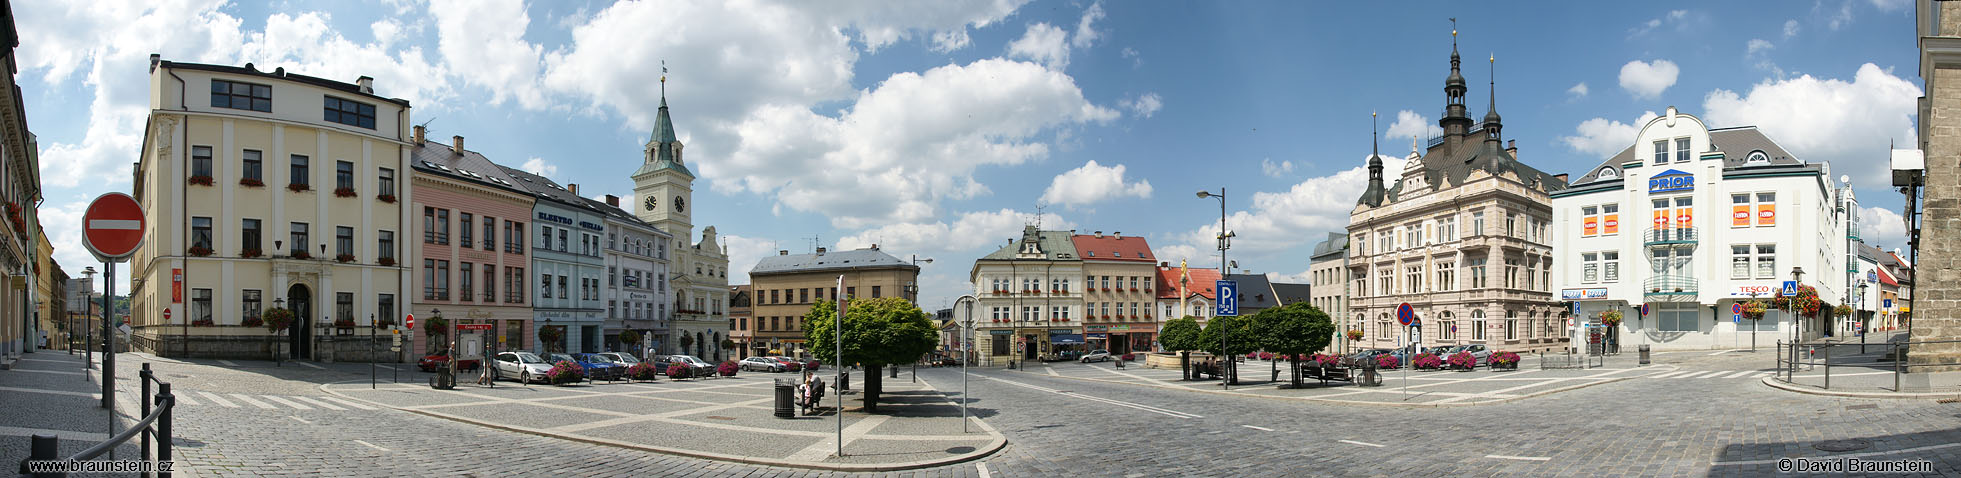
[(300, 333)]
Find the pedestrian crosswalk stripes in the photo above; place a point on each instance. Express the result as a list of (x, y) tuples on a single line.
[(289, 403), (318, 403), (1695, 374), (252, 401), (349, 403), (217, 399), (204, 399)]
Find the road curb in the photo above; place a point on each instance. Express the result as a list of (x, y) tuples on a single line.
[(1828, 393), (1358, 402), (1000, 441)]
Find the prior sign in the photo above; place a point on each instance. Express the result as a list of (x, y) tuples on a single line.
[(112, 227)]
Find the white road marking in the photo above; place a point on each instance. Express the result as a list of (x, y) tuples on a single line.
[(1120, 403), (302, 420), (1670, 374), (252, 401), (371, 445), (1051, 370), (228, 363), (318, 403), (348, 403), (1693, 374), (214, 398), (1525, 458), (1721, 352), (829, 445), (1353, 442), (1264, 429), (184, 399), (981, 466), (1741, 374), (315, 367), (51, 392)]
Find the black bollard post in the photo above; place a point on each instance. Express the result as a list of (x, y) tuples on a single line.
[(144, 377), (42, 448), (169, 403)]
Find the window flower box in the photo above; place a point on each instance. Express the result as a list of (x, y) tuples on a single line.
[(298, 187), (251, 182), (1106, 316), (344, 192), (387, 198), (390, 262), (251, 253), (199, 251), (202, 323), (201, 180), (344, 258), (300, 255)]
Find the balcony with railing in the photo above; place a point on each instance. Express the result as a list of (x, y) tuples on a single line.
[(1670, 288), (1662, 236)]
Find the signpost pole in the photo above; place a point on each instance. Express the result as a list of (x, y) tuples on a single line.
[(108, 341), (837, 344), (372, 374)]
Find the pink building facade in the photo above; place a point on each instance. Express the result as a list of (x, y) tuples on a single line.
[(470, 261)]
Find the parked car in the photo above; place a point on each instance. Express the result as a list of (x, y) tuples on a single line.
[(1098, 355), (436, 361), (761, 364), (699, 368), (1479, 352), (602, 367), (1366, 356), (622, 358), (790, 364), (595, 371), (523, 366)]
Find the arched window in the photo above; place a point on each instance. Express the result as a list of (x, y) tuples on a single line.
[(1382, 329), (1447, 326), (1477, 325)]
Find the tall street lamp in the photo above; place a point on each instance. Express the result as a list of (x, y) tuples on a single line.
[(966, 350), (88, 320), (1225, 242)]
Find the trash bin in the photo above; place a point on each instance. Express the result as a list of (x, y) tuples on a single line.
[(786, 391), (844, 381), (1644, 354)]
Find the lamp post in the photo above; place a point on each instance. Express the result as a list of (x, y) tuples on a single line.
[(279, 303), (1858, 320), (88, 321), (1225, 242), (1797, 276), (966, 346)]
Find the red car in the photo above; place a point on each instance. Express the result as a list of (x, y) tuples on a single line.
[(435, 362), (789, 364)]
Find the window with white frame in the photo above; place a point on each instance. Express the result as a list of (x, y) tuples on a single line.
[(1387, 277), (1414, 275), (1446, 276), (1766, 261), (1681, 150), (1590, 218), (1511, 325), (1611, 264), (1448, 326), (1477, 325), (1661, 152), (1478, 275), (1739, 261), (1590, 267), (1449, 226), (1477, 223)]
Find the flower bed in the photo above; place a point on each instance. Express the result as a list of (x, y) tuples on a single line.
[(248, 322), (1387, 361), (208, 323), (727, 368), (1325, 360), (1463, 361), (386, 261), (344, 323), (1426, 361), (678, 371), (565, 373), (1266, 355), (1504, 360), (643, 371)]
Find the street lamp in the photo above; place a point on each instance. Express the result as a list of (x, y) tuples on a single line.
[(1797, 277), (278, 303), (1225, 242), (88, 320), (966, 347)]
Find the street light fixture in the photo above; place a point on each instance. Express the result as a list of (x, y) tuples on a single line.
[(1225, 242), (966, 351)]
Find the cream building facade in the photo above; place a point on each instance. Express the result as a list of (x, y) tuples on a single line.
[(266, 189), (698, 270), (785, 286), (1030, 297), (1328, 278), (1119, 280)]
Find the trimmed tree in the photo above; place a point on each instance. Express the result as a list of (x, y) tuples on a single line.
[(632, 341), (1294, 331), (877, 332), (1237, 332), (1181, 335)]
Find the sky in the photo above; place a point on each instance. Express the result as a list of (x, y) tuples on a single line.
[(939, 129)]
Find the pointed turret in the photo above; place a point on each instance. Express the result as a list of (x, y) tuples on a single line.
[(663, 150), (1492, 123), (1374, 194), (1456, 120)]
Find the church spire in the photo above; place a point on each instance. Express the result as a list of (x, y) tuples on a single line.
[(1492, 123), (1374, 194), (1456, 120)]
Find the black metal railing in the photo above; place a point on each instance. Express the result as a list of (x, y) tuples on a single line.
[(155, 425), (1817, 355)]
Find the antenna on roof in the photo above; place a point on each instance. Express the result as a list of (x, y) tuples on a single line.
[(425, 124), (1039, 206)]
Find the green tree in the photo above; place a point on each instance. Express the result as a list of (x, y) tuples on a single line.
[(1181, 335), (877, 332), (1294, 330), (1237, 332)]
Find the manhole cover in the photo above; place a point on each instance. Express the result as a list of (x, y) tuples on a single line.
[(718, 417), (1838, 446), (1868, 406)]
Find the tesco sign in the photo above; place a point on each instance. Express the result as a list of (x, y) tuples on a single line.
[(1671, 180), (1764, 290)]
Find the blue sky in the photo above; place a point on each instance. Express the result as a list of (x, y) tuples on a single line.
[(938, 129)]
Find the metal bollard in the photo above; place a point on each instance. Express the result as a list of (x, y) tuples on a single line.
[(163, 425), (1644, 354), (1896, 367), (144, 377), (1828, 367), (844, 381), (42, 447)]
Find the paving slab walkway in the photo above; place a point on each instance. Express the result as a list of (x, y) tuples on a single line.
[(1401, 388), (728, 419)]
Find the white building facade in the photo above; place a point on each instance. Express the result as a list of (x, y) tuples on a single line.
[(1692, 222), (636, 278)]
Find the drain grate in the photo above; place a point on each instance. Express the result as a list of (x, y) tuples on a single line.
[(719, 417), (1840, 446)]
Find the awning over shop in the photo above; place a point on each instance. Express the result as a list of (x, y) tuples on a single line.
[(1099, 336), (1066, 338)]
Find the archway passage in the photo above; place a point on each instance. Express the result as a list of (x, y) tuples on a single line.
[(300, 333)]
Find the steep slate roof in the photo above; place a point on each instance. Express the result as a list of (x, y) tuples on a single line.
[(1055, 245), (1291, 293), (1336, 242), (1113, 248), (1474, 154), (1254, 291), (281, 74), (546, 190), (1201, 285), (1735, 143), (830, 260), (471, 166)]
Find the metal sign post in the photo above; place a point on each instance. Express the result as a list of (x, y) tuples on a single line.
[(395, 346), (837, 328)]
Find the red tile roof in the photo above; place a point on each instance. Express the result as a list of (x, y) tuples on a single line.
[(1886, 278), (1201, 284), (1112, 248)]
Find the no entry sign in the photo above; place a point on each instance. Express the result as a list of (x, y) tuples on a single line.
[(113, 226)]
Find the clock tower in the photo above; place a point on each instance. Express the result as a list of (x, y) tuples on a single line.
[(663, 184)]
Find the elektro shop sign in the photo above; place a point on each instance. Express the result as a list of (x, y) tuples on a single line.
[(1670, 181)]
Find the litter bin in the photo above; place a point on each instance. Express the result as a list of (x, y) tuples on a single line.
[(1644, 354), (786, 391), (844, 381)]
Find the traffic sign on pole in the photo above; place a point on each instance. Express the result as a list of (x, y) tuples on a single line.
[(112, 227), (1790, 287), (1405, 314), (410, 321), (1228, 292), (166, 315)]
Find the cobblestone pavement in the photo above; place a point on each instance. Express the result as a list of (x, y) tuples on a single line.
[(1400, 387), (1065, 427)]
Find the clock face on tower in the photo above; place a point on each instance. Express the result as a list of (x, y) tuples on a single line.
[(680, 205), (652, 202)]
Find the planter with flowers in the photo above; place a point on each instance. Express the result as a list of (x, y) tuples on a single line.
[(1426, 361), (199, 251), (248, 322), (387, 198), (250, 182), (643, 371), (1463, 361), (344, 258), (251, 253), (298, 187), (565, 372), (276, 319), (384, 322), (203, 323), (300, 255), (810, 365), (1354, 334), (1266, 356), (1387, 361), (1611, 317), (343, 192), (200, 180), (386, 261), (1502, 360), (344, 326), (727, 368), (678, 371)]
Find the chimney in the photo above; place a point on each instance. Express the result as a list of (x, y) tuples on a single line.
[(367, 84), (1562, 177), (572, 188), (459, 145), (874, 246), (612, 200), (820, 251), (154, 60), (420, 131), (783, 252), (1511, 147)]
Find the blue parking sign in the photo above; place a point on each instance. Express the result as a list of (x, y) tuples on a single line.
[(1228, 298)]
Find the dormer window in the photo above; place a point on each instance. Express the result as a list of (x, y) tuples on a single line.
[(1116, 254), (1609, 173), (1756, 158)]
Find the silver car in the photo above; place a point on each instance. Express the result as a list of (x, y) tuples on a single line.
[(524, 366), (1098, 355), (761, 364), (622, 358)]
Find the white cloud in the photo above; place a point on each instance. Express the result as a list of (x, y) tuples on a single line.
[(1043, 43), (487, 38), (1790, 28), (1578, 91), (1838, 19), (976, 232), (1848, 123), (744, 253), (386, 31), (879, 24), (1891, 5), (1276, 170), (1675, 17), (1280, 222), (1145, 105), (1131, 53), (1882, 228), (1093, 183), (1757, 45), (1603, 138), (1410, 124), (1648, 80), (62, 219), (540, 166), (1086, 33)]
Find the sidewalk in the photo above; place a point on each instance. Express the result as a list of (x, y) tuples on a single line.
[(728, 419), (1435, 388), (1865, 371), (47, 394)]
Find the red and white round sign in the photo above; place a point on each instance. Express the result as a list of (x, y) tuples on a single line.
[(113, 226), (166, 315), (410, 322)]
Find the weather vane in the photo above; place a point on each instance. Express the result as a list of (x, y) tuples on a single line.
[(663, 78)]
